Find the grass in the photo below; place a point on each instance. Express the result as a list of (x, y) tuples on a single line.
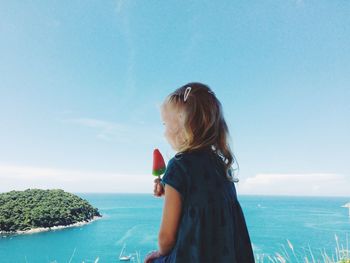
[(289, 255)]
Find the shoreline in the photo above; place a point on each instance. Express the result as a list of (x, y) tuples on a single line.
[(45, 229)]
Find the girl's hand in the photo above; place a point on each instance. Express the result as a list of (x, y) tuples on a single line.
[(151, 256), (158, 188)]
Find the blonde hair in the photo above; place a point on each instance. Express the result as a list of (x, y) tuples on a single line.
[(204, 126)]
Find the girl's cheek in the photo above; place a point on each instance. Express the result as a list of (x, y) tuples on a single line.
[(172, 133), (167, 134)]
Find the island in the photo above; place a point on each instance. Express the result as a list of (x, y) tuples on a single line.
[(36, 210)]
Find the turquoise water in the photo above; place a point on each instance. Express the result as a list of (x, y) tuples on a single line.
[(134, 219)]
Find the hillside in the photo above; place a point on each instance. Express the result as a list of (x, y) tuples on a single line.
[(36, 208)]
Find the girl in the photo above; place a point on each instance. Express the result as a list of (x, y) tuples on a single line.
[(202, 219)]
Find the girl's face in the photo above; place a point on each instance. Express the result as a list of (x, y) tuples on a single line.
[(172, 131)]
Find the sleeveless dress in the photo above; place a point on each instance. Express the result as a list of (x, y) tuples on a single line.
[(212, 227)]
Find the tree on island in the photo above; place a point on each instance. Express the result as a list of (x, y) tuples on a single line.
[(34, 208)]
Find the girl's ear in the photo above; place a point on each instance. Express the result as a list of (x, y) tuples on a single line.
[(181, 119)]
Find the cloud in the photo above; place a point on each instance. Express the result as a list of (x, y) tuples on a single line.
[(20, 177), (117, 132), (309, 184)]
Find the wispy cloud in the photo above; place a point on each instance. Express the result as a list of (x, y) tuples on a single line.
[(117, 132), (296, 184), (20, 177)]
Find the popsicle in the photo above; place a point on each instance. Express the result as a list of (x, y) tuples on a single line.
[(158, 163), (158, 169)]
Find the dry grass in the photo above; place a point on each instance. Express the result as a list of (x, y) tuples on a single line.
[(289, 255)]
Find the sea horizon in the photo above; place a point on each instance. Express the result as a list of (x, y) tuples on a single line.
[(145, 193), (238, 195)]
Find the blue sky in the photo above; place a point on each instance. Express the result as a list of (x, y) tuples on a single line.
[(81, 82)]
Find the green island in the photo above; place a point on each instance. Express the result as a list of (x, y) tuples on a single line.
[(37, 209)]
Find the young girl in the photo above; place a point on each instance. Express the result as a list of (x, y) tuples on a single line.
[(202, 218)]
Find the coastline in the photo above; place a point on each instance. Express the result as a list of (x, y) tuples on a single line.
[(45, 229)]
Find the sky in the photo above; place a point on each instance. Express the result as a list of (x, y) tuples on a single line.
[(81, 83)]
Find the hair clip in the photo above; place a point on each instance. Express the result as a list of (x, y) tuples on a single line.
[(187, 92), (211, 92)]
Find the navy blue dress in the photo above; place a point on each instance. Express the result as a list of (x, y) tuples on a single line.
[(212, 225)]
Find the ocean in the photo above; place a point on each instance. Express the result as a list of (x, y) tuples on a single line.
[(132, 220)]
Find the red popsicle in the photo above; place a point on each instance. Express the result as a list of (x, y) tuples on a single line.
[(158, 163)]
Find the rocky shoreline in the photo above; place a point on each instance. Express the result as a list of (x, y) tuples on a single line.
[(44, 229)]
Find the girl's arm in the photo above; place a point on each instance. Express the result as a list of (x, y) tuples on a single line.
[(170, 220)]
